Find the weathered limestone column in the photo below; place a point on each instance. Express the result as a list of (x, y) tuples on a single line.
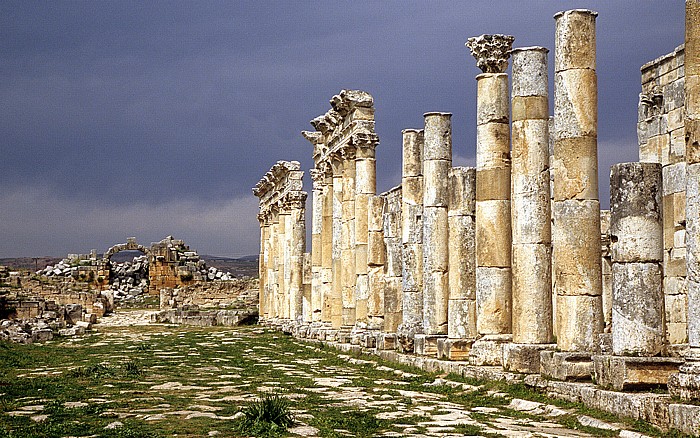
[(437, 162), (393, 298), (337, 245), (365, 188), (636, 231), (686, 384), (263, 308), (296, 202), (347, 239), (283, 263), (461, 309), (411, 238), (273, 268), (531, 218), (576, 209), (493, 215), (316, 303), (376, 258)]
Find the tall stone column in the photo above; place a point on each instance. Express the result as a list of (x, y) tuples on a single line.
[(273, 270), (393, 298), (493, 216), (336, 245), (576, 230), (316, 244), (636, 231), (347, 238), (297, 246), (376, 258), (365, 188), (411, 238), (461, 308), (284, 271), (437, 162), (327, 250), (531, 218), (262, 267), (686, 384)]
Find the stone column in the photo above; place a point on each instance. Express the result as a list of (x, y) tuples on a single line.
[(273, 267), (411, 238), (393, 298), (297, 246), (686, 384), (531, 219), (376, 258), (365, 188), (347, 238), (461, 309), (493, 216), (283, 273), (336, 245), (437, 162), (316, 244), (576, 209), (262, 267), (636, 235)]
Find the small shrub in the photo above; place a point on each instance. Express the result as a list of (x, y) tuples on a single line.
[(269, 415), (91, 371), (132, 369)]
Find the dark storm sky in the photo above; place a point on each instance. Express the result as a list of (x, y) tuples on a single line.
[(154, 118)]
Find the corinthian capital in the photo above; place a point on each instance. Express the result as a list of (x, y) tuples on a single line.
[(491, 51)]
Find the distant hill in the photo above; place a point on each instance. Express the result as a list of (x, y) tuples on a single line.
[(246, 265)]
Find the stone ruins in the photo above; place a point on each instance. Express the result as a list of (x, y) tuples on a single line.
[(510, 264)]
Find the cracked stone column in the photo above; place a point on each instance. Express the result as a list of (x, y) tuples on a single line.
[(576, 208), (412, 238), (262, 267), (296, 203), (437, 163), (365, 188), (316, 244), (327, 248), (461, 309), (336, 245), (636, 236), (273, 268), (376, 258), (283, 262), (347, 238), (686, 384), (493, 215), (531, 218)]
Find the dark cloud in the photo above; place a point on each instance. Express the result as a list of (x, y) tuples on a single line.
[(145, 106)]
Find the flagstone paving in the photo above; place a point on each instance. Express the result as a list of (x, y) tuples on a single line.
[(160, 380)]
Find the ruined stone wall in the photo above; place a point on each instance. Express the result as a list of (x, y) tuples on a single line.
[(222, 294), (661, 133)]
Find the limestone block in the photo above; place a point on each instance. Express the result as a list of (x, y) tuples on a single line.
[(375, 213), (531, 219), (488, 350), (575, 168), (579, 321), (462, 191), (412, 267), (316, 244), (375, 300), (576, 249), (437, 138), (530, 71), (530, 107), (361, 256), (361, 218), (635, 212), (436, 182), (462, 257), (393, 257), (494, 183), (524, 358), (365, 176), (461, 319), (435, 302), (492, 103), (638, 309), (493, 233), (347, 263), (575, 40), (677, 146), (412, 152), (412, 218), (677, 333), (453, 349), (426, 345), (435, 238), (566, 365), (620, 373), (692, 139), (575, 103), (676, 119), (530, 153), (676, 307), (532, 303), (493, 300), (412, 308), (376, 250), (361, 297), (412, 190), (675, 263), (393, 297), (493, 145)]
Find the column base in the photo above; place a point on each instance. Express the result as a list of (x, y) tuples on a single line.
[(524, 358), (368, 339), (686, 383), (426, 345), (566, 365), (386, 341), (344, 336), (488, 350), (454, 349), (627, 372)]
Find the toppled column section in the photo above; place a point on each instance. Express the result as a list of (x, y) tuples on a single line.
[(531, 219), (493, 216), (636, 234), (411, 238), (437, 162), (686, 384), (282, 205)]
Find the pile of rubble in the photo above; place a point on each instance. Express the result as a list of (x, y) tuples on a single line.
[(129, 279), (51, 320)]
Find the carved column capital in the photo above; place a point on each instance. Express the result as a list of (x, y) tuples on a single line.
[(491, 51), (295, 200)]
